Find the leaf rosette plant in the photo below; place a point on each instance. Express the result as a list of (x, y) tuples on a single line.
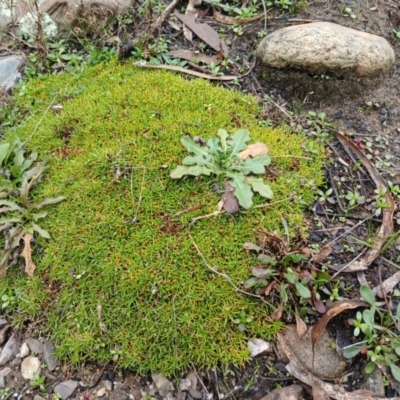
[(231, 158), (20, 172)]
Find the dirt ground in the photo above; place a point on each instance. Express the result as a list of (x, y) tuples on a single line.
[(368, 108)]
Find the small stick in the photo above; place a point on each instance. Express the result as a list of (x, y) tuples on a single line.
[(164, 15), (342, 269), (190, 209), (225, 276)]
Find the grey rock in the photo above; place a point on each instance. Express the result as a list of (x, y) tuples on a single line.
[(101, 392), (164, 386), (108, 385), (193, 389), (35, 346), (326, 47), (374, 383), (5, 371), (65, 389), (49, 357), (2, 322), (37, 397), (29, 367), (2, 382), (10, 71), (327, 362), (185, 385), (293, 392), (10, 349)]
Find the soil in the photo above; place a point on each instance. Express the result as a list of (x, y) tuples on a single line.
[(369, 109)]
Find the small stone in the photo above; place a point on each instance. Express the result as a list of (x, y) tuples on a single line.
[(37, 397), (2, 322), (24, 350), (293, 392), (108, 385), (185, 385), (258, 346), (10, 349), (5, 371), (374, 383), (101, 392), (29, 367), (36, 346), (49, 357), (65, 389), (2, 382), (384, 111), (10, 67), (383, 118), (164, 386)]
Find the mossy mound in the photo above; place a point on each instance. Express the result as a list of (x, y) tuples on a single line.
[(163, 308)]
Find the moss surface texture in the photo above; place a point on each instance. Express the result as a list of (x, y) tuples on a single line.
[(163, 308)]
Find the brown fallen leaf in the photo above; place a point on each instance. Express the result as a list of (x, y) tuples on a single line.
[(205, 32), (191, 55), (277, 314), (322, 254), (321, 389), (336, 308), (301, 327), (191, 10), (253, 150), (27, 254), (386, 228), (225, 19), (387, 286), (230, 202)]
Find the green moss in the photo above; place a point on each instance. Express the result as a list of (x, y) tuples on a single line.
[(163, 308)]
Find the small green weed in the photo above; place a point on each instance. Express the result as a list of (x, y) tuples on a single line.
[(380, 343), (38, 382), (224, 156)]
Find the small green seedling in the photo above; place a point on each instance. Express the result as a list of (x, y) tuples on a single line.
[(397, 34), (223, 156)]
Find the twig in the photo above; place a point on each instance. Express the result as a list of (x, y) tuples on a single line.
[(385, 298), (333, 183), (288, 155), (351, 262), (118, 175), (40, 121), (279, 107), (164, 15), (272, 204), (225, 276), (140, 194), (190, 209), (213, 214)]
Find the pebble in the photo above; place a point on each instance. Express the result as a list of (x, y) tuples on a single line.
[(293, 392), (108, 385), (10, 349), (65, 389), (258, 346), (2, 382), (384, 111), (10, 67), (24, 350), (29, 367), (49, 357), (185, 385), (101, 392), (36, 346), (164, 386)]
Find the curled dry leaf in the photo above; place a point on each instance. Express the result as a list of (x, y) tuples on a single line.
[(301, 327), (335, 309), (322, 254), (27, 254), (277, 314), (253, 150)]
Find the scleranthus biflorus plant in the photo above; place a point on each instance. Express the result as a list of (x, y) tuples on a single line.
[(231, 158)]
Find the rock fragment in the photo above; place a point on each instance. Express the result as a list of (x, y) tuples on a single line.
[(10, 349), (163, 385), (49, 357), (29, 367)]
